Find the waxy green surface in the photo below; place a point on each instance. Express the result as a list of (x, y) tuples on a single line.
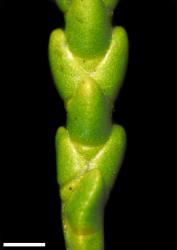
[(88, 62)]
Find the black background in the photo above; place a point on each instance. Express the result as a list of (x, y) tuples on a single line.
[(141, 212)]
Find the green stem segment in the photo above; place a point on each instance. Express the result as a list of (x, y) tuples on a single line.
[(88, 63)]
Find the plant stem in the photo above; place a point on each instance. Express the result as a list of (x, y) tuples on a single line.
[(88, 63)]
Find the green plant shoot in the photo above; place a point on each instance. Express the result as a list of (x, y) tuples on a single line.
[(88, 62)]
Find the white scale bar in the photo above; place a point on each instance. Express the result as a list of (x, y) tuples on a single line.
[(5, 244)]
